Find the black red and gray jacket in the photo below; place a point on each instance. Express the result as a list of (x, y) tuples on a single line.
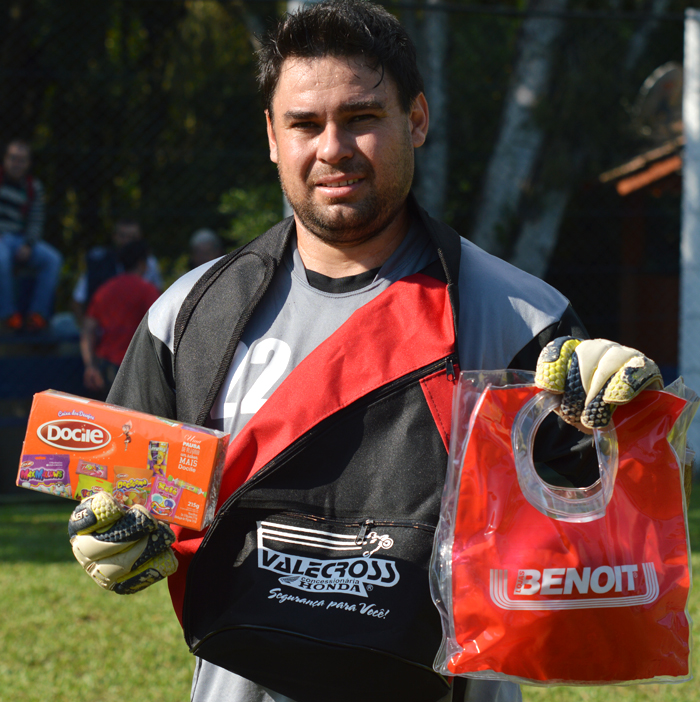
[(314, 574)]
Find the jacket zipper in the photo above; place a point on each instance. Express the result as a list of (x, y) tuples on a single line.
[(298, 445), (450, 370), (363, 525)]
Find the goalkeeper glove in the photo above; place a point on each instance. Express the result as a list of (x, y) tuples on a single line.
[(593, 377), (124, 550)]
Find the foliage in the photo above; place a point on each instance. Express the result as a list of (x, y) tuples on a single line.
[(151, 108), (138, 108), (252, 212)]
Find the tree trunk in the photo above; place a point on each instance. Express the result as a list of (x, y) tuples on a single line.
[(433, 155), (539, 234), (520, 140)]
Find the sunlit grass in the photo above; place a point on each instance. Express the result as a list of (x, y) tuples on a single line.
[(62, 638)]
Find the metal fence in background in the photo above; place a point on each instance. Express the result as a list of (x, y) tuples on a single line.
[(149, 108)]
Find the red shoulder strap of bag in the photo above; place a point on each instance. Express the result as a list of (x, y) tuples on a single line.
[(404, 329)]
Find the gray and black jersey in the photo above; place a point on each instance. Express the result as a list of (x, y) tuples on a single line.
[(505, 317)]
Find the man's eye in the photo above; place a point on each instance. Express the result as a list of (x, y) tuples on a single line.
[(362, 118)]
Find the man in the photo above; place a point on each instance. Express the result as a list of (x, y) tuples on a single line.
[(115, 311), (102, 263), (21, 229), (328, 349)]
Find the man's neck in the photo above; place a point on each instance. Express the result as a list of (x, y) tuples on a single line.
[(341, 261)]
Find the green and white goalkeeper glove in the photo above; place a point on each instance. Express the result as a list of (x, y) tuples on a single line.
[(593, 377), (123, 550)]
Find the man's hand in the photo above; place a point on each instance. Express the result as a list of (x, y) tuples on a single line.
[(121, 550), (92, 378), (594, 376)]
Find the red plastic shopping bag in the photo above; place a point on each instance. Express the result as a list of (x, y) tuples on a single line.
[(562, 585)]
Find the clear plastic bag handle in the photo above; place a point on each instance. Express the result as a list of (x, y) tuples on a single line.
[(565, 504)]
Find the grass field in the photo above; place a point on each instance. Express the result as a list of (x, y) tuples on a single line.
[(63, 639)]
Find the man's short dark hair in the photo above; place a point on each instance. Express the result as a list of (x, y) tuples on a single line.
[(132, 254), (342, 28)]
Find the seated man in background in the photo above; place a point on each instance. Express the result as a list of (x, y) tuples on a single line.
[(115, 312), (21, 230), (103, 263)]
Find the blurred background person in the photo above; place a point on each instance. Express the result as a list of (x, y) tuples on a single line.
[(103, 263), (205, 246), (114, 313), (21, 244)]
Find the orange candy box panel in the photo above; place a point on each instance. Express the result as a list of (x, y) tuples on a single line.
[(75, 447)]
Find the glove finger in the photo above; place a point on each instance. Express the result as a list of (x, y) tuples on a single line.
[(123, 554), (636, 375), (115, 565), (599, 360), (597, 413), (163, 565), (574, 397), (553, 364), (95, 512), (134, 524)]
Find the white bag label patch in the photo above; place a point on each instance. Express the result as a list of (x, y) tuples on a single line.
[(356, 575), (551, 582)]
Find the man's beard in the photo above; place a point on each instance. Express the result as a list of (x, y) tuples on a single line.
[(348, 224), (363, 222)]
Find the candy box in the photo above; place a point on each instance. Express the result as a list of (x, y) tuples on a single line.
[(75, 447)]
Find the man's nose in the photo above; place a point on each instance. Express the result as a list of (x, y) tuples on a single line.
[(334, 144)]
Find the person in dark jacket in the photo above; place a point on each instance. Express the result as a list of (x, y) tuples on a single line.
[(21, 243), (327, 348)]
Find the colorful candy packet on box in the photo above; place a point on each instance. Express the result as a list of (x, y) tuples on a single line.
[(45, 473), (165, 497), (132, 486), (88, 485), (158, 456), (93, 469)]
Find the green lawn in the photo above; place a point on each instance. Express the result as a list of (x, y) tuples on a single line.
[(62, 638)]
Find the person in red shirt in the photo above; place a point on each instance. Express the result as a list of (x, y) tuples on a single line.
[(113, 315)]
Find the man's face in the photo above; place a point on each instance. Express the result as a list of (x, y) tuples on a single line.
[(125, 233), (17, 161), (343, 146)]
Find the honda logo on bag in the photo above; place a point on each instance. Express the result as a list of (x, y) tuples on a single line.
[(343, 574), (74, 435), (552, 582)]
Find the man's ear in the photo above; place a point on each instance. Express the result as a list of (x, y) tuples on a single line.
[(419, 119), (272, 141)]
